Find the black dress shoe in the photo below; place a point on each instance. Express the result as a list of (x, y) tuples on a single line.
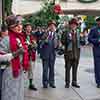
[(32, 87), (98, 85), (75, 85), (67, 86), (45, 86), (52, 86)]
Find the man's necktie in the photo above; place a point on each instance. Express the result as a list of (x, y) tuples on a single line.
[(50, 35)]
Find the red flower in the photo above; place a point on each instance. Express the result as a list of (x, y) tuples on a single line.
[(57, 9)]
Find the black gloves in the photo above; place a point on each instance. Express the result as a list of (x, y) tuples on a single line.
[(29, 47), (4, 63), (32, 47)]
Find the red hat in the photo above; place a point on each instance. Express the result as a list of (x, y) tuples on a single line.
[(51, 22), (73, 21)]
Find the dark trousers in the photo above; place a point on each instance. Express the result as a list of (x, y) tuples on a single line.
[(97, 70), (1, 73), (71, 62), (96, 55), (48, 71)]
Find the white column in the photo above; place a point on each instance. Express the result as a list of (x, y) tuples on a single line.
[(0, 8), (15, 6), (57, 1), (0, 13)]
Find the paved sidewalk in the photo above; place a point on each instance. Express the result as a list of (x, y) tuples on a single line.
[(88, 90)]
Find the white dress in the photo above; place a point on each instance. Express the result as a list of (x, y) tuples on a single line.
[(12, 88)]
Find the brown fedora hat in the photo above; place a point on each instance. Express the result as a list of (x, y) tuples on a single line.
[(27, 24), (51, 22), (73, 21)]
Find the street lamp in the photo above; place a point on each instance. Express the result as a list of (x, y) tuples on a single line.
[(3, 12), (54, 1)]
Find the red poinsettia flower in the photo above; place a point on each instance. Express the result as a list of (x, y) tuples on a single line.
[(57, 9)]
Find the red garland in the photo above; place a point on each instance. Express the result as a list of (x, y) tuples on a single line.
[(57, 9)]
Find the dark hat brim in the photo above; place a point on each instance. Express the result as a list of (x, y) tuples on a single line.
[(14, 25), (52, 22), (73, 23), (27, 24)]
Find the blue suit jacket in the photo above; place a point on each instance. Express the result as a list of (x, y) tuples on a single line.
[(93, 38), (47, 49)]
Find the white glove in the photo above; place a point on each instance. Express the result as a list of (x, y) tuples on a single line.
[(6, 57)]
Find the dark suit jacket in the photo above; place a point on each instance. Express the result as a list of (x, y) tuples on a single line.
[(93, 38), (47, 49)]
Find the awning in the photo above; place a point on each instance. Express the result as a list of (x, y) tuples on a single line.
[(25, 7)]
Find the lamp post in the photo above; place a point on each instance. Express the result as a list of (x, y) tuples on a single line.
[(3, 12), (54, 1)]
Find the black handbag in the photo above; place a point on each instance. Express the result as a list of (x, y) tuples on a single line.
[(60, 51)]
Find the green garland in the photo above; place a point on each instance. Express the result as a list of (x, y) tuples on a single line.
[(8, 5), (87, 1), (45, 15)]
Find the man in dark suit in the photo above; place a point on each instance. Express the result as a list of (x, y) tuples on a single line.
[(71, 41), (48, 43), (94, 38)]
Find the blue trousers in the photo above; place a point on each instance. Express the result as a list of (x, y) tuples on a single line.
[(96, 55), (48, 71), (97, 70)]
